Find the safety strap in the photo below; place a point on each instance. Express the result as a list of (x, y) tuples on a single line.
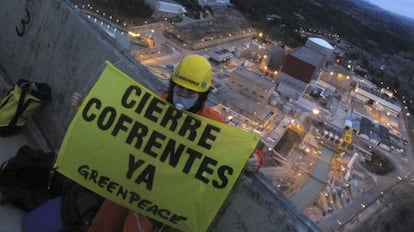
[(19, 109)]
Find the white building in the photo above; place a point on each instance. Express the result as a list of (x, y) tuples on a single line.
[(380, 101), (166, 7)]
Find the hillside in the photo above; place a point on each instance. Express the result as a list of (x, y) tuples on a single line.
[(378, 37)]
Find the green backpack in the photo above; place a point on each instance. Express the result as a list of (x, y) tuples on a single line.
[(20, 103)]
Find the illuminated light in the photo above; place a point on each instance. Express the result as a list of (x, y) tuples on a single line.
[(331, 73), (133, 34), (315, 111), (347, 77), (275, 72)]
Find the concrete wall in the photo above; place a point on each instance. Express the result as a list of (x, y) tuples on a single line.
[(60, 47)]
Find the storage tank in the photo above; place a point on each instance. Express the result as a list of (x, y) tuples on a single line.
[(320, 45)]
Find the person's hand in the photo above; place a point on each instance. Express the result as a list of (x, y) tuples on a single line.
[(77, 99), (252, 163)]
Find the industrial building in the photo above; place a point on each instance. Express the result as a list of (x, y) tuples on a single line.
[(251, 84), (165, 7), (220, 56), (379, 135), (302, 66), (337, 76), (378, 100), (277, 57)]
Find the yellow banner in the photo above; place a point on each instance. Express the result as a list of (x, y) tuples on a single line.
[(128, 145)]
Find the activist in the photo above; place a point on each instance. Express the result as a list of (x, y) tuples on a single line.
[(189, 87)]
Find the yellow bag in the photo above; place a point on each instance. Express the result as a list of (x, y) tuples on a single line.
[(20, 103)]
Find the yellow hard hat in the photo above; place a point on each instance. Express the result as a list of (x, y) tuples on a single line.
[(193, 72)]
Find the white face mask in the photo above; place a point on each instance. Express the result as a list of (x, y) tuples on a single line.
[(184, 99)]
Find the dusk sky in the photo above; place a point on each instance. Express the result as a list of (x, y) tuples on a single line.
[(402, 7)]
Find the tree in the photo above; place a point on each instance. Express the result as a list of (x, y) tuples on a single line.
[(134, 8)]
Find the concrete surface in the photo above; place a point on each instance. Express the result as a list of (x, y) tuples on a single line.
[(50, 41)]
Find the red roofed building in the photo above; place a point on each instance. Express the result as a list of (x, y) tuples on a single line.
[(300, 67)]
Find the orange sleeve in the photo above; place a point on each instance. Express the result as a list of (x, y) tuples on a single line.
[(212, 114), (259, 156)]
